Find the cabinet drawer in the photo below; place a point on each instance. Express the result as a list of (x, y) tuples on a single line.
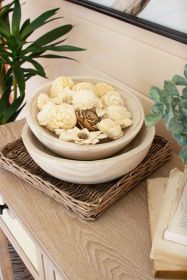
[(48, 271), (20, 239)]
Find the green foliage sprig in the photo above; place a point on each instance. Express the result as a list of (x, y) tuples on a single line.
[(16, 49), (171, 106)]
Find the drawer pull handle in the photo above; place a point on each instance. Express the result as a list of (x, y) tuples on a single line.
[(2, 207)]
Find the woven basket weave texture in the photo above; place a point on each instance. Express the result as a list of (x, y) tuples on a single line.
[(86, 201)]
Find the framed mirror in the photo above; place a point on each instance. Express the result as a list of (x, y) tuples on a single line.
[(164, 17)]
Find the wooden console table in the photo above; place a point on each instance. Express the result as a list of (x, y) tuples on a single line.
[(55, 245)]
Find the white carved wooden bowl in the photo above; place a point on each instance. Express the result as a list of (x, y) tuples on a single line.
[(86, 152), (89, 172)]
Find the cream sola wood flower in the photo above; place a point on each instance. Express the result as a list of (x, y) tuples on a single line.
[(110, 128), (80, 136), (119, 114), (59, 84), (112, 98), (44, 115), (102, 88), (42, 100), (60, 91), (83, 86), (84, 99), (65, 96), (57, 116)]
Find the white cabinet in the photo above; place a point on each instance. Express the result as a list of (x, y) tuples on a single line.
[(27, 248)]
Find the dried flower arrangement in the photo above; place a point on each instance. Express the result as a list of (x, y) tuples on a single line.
[(82, 112)]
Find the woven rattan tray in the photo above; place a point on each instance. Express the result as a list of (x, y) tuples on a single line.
[(87, 201)]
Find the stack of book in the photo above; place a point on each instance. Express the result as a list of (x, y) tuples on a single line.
[(167, 203)]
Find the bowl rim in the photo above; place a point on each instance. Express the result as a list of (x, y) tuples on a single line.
[(25, 135), (43, 131)]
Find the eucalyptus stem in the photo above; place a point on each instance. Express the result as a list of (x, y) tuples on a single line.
[(170, 104), (15, 87)]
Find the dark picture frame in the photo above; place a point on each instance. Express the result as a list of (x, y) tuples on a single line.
[(142, 23)]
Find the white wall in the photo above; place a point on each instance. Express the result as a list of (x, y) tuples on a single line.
[(132, 55), (116, 50)]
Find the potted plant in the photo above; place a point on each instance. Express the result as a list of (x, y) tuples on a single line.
[(16, 49), (170, 105)]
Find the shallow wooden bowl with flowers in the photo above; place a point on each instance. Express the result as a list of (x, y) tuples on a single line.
[(84, 118)]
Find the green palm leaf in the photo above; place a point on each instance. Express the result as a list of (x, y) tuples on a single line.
[(4, 102), (15, 50), (4, 29), (12, 109), (57, 56), (52, 35), (26, 24), (14, 115), (19, 77), (16, 18), (39, 68), (6, 9), (38, 22)]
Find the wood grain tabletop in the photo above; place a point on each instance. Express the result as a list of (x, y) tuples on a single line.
[(116, 246)]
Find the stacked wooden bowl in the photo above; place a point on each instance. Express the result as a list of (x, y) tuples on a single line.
[(88, 164)]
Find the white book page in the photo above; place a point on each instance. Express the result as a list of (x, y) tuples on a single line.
[(162, 249), (177, 228), (156, 189)]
